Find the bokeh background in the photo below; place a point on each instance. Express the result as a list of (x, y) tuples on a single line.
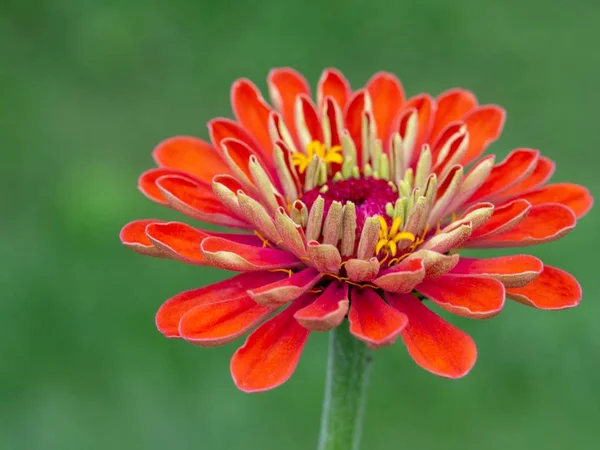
[(88, 87)]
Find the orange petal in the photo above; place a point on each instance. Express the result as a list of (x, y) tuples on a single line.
[(387, 97), (252, 112), (372, 320), (511, 271), (333, 84), (403, 277), (196, 200), (133, 235), (286, 290), (214, 324), (452, 105), (231, 255), (544, 223), (573, 196), (553, 289), (327, 311), (485, 126), (518, 165), (271, 353), (285, 85), (190, 155), (181, 241), (542, 173), (433, 343), (171, 312), (464, 295), (425, 107), (503, 219), (147, 183), (220, 129)]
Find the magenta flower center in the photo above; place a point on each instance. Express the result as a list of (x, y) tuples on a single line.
[(369, 195)]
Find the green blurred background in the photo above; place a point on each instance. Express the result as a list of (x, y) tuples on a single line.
[(87, 89)]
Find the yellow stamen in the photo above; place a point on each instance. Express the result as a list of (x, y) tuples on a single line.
[(388, 239), (382, 243), (396, 226), (265, 241), (318, 149), (393, 247), (288, 271), (404, 235), (347, 280)]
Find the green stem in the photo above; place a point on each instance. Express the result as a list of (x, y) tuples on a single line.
[(345, 389)]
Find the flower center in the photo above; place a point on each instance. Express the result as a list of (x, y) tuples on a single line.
[(369, 195)]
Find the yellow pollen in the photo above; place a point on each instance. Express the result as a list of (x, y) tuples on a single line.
[(318, 149), (389, 238)]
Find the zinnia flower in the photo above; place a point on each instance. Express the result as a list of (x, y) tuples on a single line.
[(355, 204)]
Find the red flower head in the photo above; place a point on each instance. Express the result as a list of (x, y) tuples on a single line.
[(355, 205)]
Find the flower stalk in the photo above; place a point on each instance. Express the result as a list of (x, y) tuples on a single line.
[(345, 391)]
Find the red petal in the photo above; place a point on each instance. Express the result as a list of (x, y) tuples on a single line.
[(387, 97), (544, 223), (452, 105), (503, 218), (178, 240), (485, 126), (333, 84), (286, 290), (518, 165), (271, 353), (330, 113), (220, 129), (231, 255), (327, 311), (553, 289), (372, 320), (433, 343), (197, 200), (190, 155), (182, 242), (252, 112), (310, 119), (425, 107), (133, 235), (403, 277), (353, 120), (464, 295), (573, 196), (512, 271), (213, 324), (147, 183), (171, 312), (285, 85), (440, 141), (240, 153), (455, 147), (542, 173)]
